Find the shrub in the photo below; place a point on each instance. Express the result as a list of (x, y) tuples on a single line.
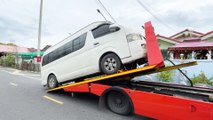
[(165, 76), (8, 60), (202, 79)]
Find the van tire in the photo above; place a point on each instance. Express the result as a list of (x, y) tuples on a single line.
[(52, 82), (110, 63)]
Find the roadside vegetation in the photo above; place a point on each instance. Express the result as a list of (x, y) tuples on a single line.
[(8, 60), (166, 76), (202, 79)]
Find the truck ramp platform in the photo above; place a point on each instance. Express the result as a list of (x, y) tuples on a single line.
[(127, 75)]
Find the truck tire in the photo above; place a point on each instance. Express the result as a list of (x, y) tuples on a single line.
[(52, 82), (110, 63), (119, 103)]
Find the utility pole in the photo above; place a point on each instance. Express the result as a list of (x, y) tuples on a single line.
[(39, 29)]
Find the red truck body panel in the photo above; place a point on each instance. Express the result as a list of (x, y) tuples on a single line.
[(79, 88), (166, 107), (158, 106)]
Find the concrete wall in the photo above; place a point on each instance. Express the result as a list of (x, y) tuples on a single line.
[(210, 39), (164, 45)]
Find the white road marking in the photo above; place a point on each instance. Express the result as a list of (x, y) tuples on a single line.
[(54, 100), (13, 84)]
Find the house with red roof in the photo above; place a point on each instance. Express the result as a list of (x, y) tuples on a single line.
[(190, 43), (8, 49), (12, 49), (185, 34)]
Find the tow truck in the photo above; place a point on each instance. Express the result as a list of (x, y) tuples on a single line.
[(163, 101)]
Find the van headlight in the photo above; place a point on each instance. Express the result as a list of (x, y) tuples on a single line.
[(132, 37)]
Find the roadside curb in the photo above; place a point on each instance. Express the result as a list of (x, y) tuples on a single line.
[(13, 69)]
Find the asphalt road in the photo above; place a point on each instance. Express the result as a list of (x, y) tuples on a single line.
[(23, 98)]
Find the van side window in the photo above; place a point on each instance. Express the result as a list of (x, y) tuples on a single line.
[(65, 49), (60, 52), (45, 60), (79, 42), (101, 30), (68, 48), (53, 55)]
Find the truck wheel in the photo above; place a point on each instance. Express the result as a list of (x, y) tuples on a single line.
[(110, 64), (52, 82), (119, 103)]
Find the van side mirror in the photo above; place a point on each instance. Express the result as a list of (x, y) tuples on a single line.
[(114, 28)]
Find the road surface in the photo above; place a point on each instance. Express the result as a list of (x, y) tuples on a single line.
[(23, 98)]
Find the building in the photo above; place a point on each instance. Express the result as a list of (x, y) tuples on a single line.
[(187, 42), (190, 46), (8, 49)]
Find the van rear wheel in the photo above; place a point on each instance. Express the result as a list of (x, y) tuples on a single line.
[(110, 64), (52, 82)]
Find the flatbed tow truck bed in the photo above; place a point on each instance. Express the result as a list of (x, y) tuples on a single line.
[(164, 101)]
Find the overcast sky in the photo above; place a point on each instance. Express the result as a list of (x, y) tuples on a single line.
[(19, 18)]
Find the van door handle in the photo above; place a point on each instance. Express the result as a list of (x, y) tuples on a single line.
[(96, 43)]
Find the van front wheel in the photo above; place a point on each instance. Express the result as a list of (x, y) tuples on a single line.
[(110, 64)]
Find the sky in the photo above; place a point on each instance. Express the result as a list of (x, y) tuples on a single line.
[(19, 19)]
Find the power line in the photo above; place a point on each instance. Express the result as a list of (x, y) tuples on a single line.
[(106, 10), (158, 19)]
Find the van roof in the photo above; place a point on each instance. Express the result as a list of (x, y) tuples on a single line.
[(80, 31)]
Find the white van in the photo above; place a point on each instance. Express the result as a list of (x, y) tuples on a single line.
[(101, 47)]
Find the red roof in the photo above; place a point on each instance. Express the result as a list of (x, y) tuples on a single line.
[(185, 31), (12, 49), (192, 45), (174, 40)]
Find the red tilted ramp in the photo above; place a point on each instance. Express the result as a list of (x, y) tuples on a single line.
[(153, 51)]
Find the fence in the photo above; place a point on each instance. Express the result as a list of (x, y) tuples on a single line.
[(35, 67), (29, 66)]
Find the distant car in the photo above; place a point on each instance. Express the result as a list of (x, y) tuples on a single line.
[(101, 47)]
